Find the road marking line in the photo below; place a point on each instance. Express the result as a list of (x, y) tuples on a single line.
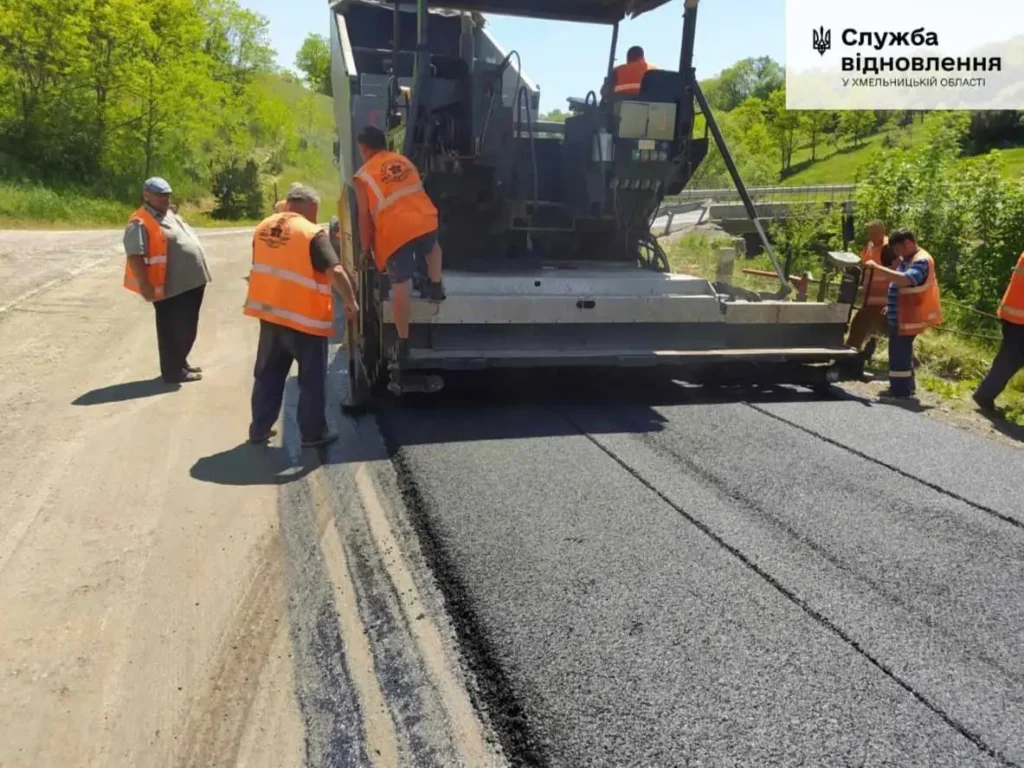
[(469, 734), (381, 738)]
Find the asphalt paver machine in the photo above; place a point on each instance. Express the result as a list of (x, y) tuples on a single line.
[(549, 260)]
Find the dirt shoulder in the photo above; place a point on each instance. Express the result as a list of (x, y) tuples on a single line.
[(954, 412)]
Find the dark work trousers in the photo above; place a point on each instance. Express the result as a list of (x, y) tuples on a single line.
[(901, 365), (177, 323), (1009, 360), (278, 348)]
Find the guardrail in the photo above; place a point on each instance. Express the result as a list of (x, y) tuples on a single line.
[(833, 191)]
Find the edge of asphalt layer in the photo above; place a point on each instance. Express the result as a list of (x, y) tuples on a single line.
[(494, 692)]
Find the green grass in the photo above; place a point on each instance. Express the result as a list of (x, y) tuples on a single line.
[(952, 366), (840, 166), (949, 365), (34, 205), (30, 205)]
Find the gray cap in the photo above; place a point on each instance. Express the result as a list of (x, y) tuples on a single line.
[(303, 193), (157, 186)]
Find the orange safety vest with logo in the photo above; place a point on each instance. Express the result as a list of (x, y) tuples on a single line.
[(155, 257), (919, 306), (877, 282), (1011, 308), (283, 286), (400, 208), (629, 76)]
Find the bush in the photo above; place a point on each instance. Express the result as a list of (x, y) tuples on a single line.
[(239, 191), (963, 213)]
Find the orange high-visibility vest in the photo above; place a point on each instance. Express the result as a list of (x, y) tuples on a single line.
[(919, 306), (1011, 308), (629, 76), (400, 208), (155, 257), (283, 286), (877, 282)]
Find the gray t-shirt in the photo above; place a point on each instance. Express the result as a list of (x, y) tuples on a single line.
[(186, 259)]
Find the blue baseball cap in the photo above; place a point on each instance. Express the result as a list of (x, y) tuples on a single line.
[(157, 186)]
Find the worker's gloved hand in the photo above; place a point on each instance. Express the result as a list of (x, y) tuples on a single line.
[(364, 260), (147, 292)]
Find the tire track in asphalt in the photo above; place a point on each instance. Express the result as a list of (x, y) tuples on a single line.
[(790, 595)]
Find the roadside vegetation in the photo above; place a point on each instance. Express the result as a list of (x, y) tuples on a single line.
[(102, 94), (966, 211)]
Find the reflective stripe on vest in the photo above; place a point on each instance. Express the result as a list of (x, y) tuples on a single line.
[(284, 288), (285, 314), (1011, 308), (630, 76), (919, 306), (386, 202), (155, 258), (399, 206), (287, 274)]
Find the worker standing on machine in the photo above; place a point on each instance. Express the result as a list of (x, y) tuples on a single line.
[(913, 307), (628, 77), (398, 223), (870, 318), (1011, 352)]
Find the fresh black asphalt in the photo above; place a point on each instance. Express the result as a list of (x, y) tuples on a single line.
[(752, 579)]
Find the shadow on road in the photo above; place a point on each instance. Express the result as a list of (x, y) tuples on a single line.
[(1000, 424), (129, 390), (518, 405), (249, 464)]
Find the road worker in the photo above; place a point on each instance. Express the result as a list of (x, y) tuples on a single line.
[(1010, 358), (398, 224), (166, 265), (626, 78), (293, 270), (913, 307), (870, 321)]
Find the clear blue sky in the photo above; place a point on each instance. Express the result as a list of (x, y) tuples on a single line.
[(570, 59)]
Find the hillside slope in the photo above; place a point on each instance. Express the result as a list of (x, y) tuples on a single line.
[(304, 154)]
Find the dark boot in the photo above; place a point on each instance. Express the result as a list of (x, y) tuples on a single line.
[(434, 291)]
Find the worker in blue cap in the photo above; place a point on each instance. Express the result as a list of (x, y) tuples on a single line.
[(166, 265)]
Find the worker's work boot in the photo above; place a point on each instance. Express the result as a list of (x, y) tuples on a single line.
[(434, 291)]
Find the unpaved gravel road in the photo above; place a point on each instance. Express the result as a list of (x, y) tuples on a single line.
[(171, 596)]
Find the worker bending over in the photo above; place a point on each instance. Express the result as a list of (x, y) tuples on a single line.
[(398, 223), (869, 321), (1011, 352), (626, 78), (293, 269), (913, 306)]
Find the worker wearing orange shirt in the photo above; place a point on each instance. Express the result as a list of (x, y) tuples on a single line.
[(626, 78), (398, 225), (1011, 352), (870, 320)]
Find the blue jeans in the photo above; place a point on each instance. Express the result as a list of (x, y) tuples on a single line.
[(901, 365)]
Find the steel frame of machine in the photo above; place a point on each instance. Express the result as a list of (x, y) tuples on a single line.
[(558, 312)]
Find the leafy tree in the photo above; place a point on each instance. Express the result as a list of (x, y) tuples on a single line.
[(783, 126), (856, 125), (314, 60), (757, 77), (814, 124)]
